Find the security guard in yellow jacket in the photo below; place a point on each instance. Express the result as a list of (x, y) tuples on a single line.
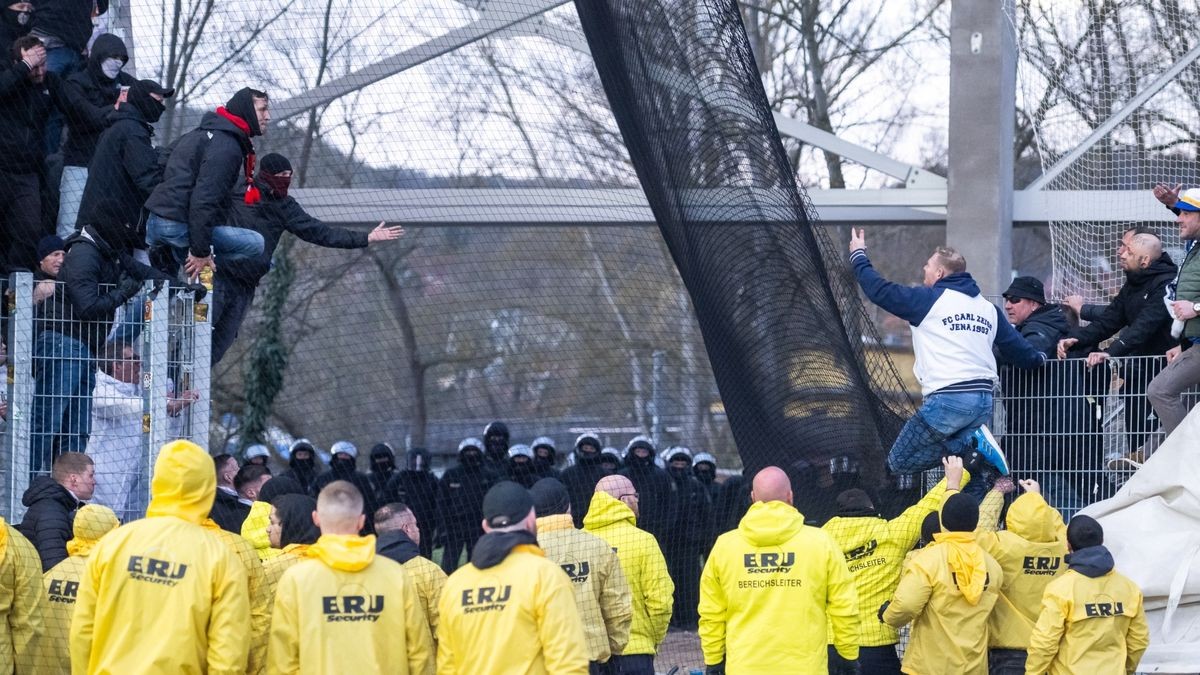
[(61, 584), (612, 516), (398, 536), (290, 530), (601, 592), (1030, 553), (1092, 620), (256, 588), (875, 550), (775, 573), (947, 590), (509, 610), (163, 594), (344, 609)]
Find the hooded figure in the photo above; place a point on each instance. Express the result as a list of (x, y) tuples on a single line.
[(383, 467), (91, 93), (416, 486), (14, 23), (192, 595), (302, 460), (495, 449), (545, 456), (653, 485), (689, 522), (460, 502), (521, 469), (61, 585), (581, 477)]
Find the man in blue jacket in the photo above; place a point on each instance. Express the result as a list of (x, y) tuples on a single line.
[(953, 331)]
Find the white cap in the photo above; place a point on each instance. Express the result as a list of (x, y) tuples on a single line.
[(522, 450), (257, 450), (344, 447), (704, 457)]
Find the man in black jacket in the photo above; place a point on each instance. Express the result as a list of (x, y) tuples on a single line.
[(653, 486), (383, 468), (27, 95), (64, 26), (15, 21), (416, 486), (97, 279), (688, 523), (189, 210), (89, 95), (397, 532), (52, 502), (124, 166), (1139, 319), (343, 465), (1050, 423), (273, 215), (461, 502), (302, 465), (227, 510), (581, 477)]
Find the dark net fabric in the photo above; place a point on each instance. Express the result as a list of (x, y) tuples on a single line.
[(781, 319)]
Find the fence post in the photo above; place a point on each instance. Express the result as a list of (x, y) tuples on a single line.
[(155, 376), (201, 376), (20, 392)]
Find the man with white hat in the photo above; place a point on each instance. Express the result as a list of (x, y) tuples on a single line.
[(343, 465)]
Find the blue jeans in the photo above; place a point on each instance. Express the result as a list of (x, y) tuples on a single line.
[(70, 194), (62, 61), (943, 426), (1006, 662), (64, 376), (229, 243)]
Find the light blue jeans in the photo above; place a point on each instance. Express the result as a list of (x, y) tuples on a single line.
[(70, 194), (229, 243), (943, 426)]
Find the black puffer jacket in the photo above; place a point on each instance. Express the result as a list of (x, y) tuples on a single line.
[(24, 107), (1050, 400), (228, 512), (124, 170), (49, 521), (1137, 312), (89, 97), (68, 20), (199, 182), (271, 218)]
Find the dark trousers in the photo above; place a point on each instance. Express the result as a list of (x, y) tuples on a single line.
[(633, 664), (609, 667), (21, 224), (456, 543), (230, 300), (683, 564), (1006, 662), (871, 661)]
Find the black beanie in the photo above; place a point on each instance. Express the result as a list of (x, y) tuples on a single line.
[(855, 502), (550, 497), (960, 513), (507, 503), (273, 163), (242, 105), (47, 245), (279, 486), (929, 527)]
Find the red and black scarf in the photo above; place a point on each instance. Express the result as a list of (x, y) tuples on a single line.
[(252, 195)]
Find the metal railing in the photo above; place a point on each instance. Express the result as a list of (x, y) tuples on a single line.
[(1063, 424), (117, 386)]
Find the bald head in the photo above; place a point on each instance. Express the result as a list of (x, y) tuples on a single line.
[(620, 488), (1147, 244), (771, 485)]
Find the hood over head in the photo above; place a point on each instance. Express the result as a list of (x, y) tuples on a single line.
[(295, 519), (91, 522), (184, 483), (346, 552), (107, 46), (242, 105), (417, 459), (1029, 517)]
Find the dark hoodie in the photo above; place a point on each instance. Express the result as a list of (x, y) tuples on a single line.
[(124, 170), (90, 97), (68, 20), (381, 475), (49, 521), (1045, 401), (655, 490), (1093, 561), (295, 519), (11, 27), (581, 479), (1137, 312), (417, 487), (205, 171), (397, 546), (25, 106), (493, 547), (305, 474), (346, 470)]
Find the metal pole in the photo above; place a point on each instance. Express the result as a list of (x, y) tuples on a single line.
[(20, 391), (658, 369)]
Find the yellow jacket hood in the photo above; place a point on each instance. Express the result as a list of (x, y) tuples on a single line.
[(91, 522), (254, 530), (184, 483), (770, 523), (966, 559), (1027, 518), (346, 552), (606, 510)]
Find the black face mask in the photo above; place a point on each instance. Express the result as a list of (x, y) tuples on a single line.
[(417, 462), (705, 476), (636, 460), (680, 473), (542, 462), (496, 447), (385, 466), (588, 458), (305, 465), (471, 460), (20, 22), (521, 468), (608, 468), (342, 465)]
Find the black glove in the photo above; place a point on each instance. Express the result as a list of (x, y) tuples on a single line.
[(128, 287), (882, 609), (718, 669)]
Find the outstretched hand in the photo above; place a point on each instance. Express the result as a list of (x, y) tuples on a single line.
[(1167, 194), (953, 465), (384, 233), (858, 239)]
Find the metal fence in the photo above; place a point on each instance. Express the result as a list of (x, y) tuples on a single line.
[(91, 374), (1066, 423)]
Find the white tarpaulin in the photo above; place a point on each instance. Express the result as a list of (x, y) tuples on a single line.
[(1152, 527)]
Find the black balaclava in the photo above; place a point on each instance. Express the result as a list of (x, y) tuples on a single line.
[(587, 458), (609, 462), (632, 459), (704, 472), (680, 474), (295, 519), (543, 463), (303, 466), (495, 442), (13, 19), (242, 105), (383, 460), (343, 466), (269, 168), (417, 459), (470, 457)]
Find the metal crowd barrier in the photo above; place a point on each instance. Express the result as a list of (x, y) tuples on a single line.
[(116, 392)]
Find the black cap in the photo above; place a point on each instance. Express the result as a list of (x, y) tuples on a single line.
[(507, 503), (550, 497), (152, 87), (960, 513), (855, 502), (274, 163), (1026, 287)]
